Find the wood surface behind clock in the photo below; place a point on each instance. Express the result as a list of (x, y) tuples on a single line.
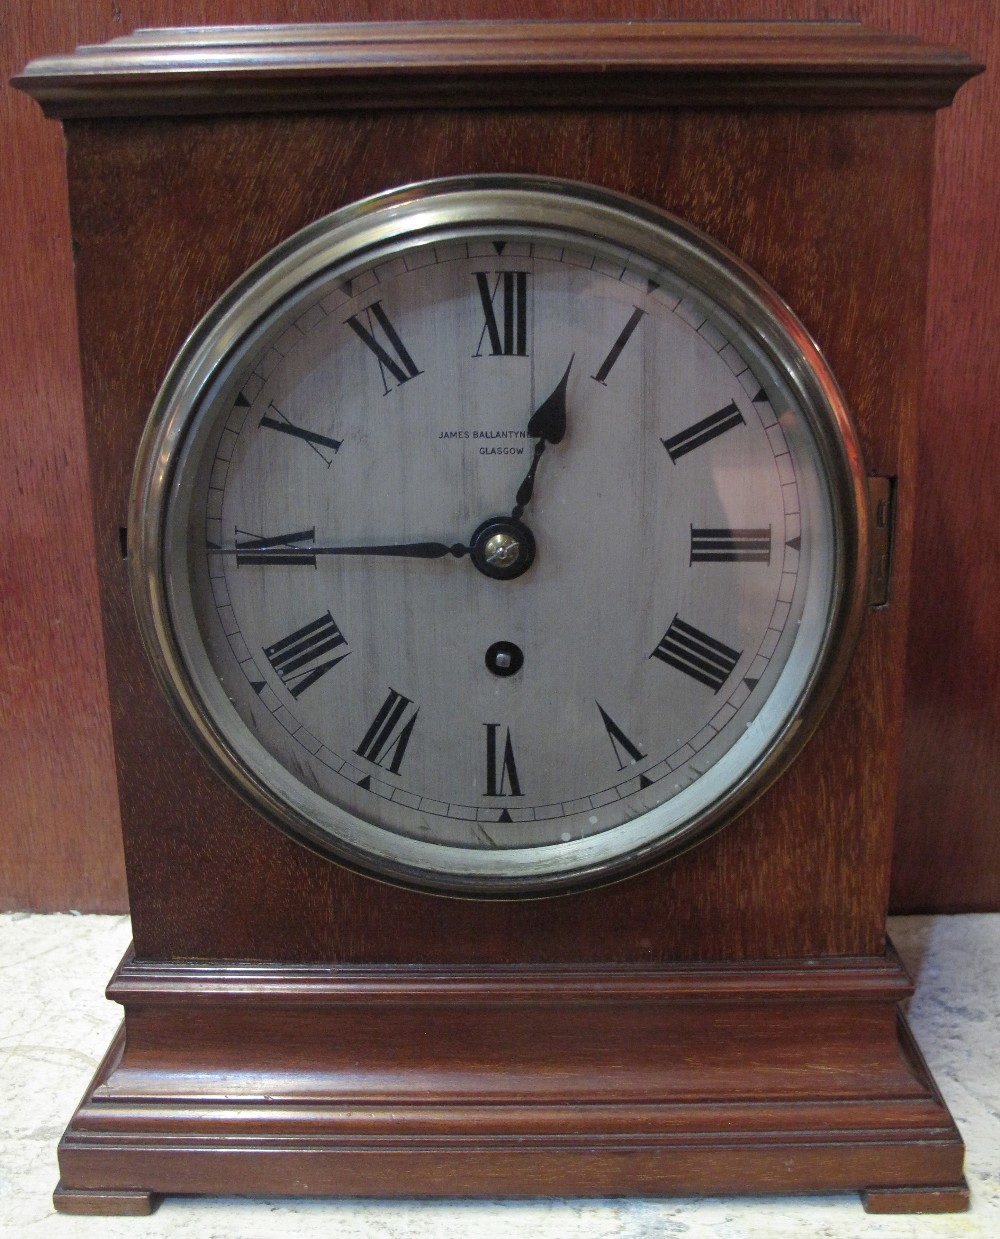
[(679, 1030)]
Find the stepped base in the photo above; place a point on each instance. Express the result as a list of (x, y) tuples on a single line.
[(243, 1079)]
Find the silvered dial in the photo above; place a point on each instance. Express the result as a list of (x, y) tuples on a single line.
[(498, 535)]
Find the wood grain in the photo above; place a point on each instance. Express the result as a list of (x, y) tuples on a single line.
[(947, 853), (58, 837), (60, 845), (821, 834)]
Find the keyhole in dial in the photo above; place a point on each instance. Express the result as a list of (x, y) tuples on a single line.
[(504, 658)]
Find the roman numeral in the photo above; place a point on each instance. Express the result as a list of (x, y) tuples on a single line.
[(696, 654), (388, 735), (268, 550), (730, 546), (509, 338), (393, 359), (619, 344), (703, 432), (320, 444), (501, 772), (295, 657), (619, 740)]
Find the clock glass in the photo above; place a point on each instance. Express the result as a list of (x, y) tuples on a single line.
[(498, 536)]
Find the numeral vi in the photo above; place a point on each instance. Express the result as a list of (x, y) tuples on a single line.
[(501, 772)]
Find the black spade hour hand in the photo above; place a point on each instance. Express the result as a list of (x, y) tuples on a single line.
[(547, 425)]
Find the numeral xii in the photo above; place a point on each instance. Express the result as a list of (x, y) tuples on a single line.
[(508, 333)]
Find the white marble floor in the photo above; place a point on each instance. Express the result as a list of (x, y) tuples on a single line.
[(55, 1024)]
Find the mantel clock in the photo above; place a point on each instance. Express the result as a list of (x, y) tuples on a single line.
[(494, 504)]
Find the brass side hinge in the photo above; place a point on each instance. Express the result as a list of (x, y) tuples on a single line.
[(882, 506)]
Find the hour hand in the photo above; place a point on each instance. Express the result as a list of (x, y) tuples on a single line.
[(547, 425), (548, 422)]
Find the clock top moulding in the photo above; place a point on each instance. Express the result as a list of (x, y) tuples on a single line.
[(804, 147), (205, 70), (725, 1022)]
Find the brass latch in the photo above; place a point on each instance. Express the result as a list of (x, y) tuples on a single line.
[(881, 505)]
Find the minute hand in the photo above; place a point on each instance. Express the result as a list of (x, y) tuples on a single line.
[(405, 550)]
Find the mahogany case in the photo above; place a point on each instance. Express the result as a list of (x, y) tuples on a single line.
[(726, 1022)]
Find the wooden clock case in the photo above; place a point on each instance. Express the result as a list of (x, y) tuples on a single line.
[(727, 1022)]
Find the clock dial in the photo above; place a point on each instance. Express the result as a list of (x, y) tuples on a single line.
[(509, 531)]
